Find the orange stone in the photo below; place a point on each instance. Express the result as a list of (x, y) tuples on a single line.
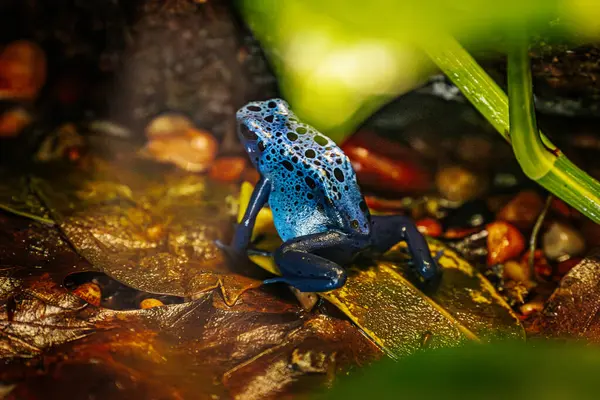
[(150, 303), (89, 292), (523, 210), (22, 70), (227, 169), (504, 242), (429, 227)]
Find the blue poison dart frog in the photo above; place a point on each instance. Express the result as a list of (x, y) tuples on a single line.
[(317, 205)]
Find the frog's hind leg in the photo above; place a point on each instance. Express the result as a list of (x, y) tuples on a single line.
[(310, 272), (387, 230)]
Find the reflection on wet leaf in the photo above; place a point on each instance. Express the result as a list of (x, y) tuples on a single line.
[(35, 311), (152, 228), (385, 301), (573, 310)]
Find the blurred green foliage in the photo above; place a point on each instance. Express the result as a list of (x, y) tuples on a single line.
[(544, 370), (338, 61)]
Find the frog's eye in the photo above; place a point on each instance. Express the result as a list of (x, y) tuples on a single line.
[(261, 146), (247, 133)]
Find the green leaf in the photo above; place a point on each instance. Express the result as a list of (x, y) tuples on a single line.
[(553, 171), (499, 371), (339, 61)]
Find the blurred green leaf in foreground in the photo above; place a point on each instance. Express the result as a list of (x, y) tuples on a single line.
[(500, 371)]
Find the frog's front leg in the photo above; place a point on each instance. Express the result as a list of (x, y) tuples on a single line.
[(243, 230), (387, 230), (301, 268)]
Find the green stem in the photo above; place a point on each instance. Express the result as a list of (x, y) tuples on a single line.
[(534, 235), (529, 149), (550, 169)]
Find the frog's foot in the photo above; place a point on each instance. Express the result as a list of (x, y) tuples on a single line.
[(311, 284), (387, 230), (406, 251), (231, 252), (309, 272)]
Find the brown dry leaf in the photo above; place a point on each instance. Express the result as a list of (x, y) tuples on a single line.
[(16, 197), (148, 226), (53, 342), (198, 350), (573, 310), (384, 300), (35, 311)]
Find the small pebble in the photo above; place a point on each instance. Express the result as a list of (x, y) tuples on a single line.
[(65, 142), (22, 70), (534, 306), (429, 227), (168, 124), (474, 149), (193, 151), (382, 165), (523, 210), (89, 292), (516, 271), (561, 208), (540, 263), (150, 303), (504, 242), (306, 299), (227, 169), (562, 241), (13, 121), (459, 184), (459, 233)]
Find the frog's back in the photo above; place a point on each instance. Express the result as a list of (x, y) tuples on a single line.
[(314, 185)]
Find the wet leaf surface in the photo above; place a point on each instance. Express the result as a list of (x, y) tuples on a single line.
[(17, 198), (386, 301), (36, 312), (573, 310), (53, 342), (148, 226)]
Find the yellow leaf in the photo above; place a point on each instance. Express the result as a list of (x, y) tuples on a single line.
[(389, 304)]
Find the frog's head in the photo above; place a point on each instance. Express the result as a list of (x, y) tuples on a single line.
[(257, 122)]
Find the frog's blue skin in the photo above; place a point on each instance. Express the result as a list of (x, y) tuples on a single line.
[(317, 206)]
